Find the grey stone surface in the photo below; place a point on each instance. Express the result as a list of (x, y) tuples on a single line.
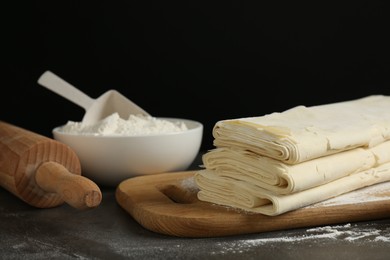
[(108, 232)]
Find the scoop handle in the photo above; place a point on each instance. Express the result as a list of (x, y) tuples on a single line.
[(76, 190), (56, 84)]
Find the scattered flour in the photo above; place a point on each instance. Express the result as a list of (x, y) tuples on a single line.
[(189, 184), (134, 125), (377, 192), (348, 233)]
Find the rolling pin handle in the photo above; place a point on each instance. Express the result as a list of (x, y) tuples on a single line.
[(76, 190)]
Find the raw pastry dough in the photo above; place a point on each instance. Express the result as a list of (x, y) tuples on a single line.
[(282, 178), (248, 197), (304, 133), (284, 161)]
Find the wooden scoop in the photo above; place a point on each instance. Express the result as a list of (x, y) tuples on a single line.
[(42, 171), (96, 109)]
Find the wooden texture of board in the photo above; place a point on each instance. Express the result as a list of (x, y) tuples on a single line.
[(167, 203)]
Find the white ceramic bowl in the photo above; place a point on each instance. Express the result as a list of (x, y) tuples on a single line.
[(108, 160)]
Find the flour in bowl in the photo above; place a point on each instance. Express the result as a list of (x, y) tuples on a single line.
[(134, 125)]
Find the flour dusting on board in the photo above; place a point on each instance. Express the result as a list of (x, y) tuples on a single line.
[(377, 192), (190, 184)]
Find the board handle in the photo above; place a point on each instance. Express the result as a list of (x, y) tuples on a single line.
[(76, 190)]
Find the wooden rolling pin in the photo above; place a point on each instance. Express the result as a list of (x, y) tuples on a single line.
[(43, 172)]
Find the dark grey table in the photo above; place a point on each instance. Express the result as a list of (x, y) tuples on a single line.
[(108, 232)]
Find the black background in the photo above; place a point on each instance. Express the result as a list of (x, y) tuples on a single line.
[(205, 61)]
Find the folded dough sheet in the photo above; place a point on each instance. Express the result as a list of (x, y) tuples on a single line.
[(284, 161), (251, 198), (283, 178), (304, 133)]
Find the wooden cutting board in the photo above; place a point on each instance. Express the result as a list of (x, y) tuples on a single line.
[(167, 204)]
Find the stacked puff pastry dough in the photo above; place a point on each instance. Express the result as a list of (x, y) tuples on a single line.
[(280, 162)]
